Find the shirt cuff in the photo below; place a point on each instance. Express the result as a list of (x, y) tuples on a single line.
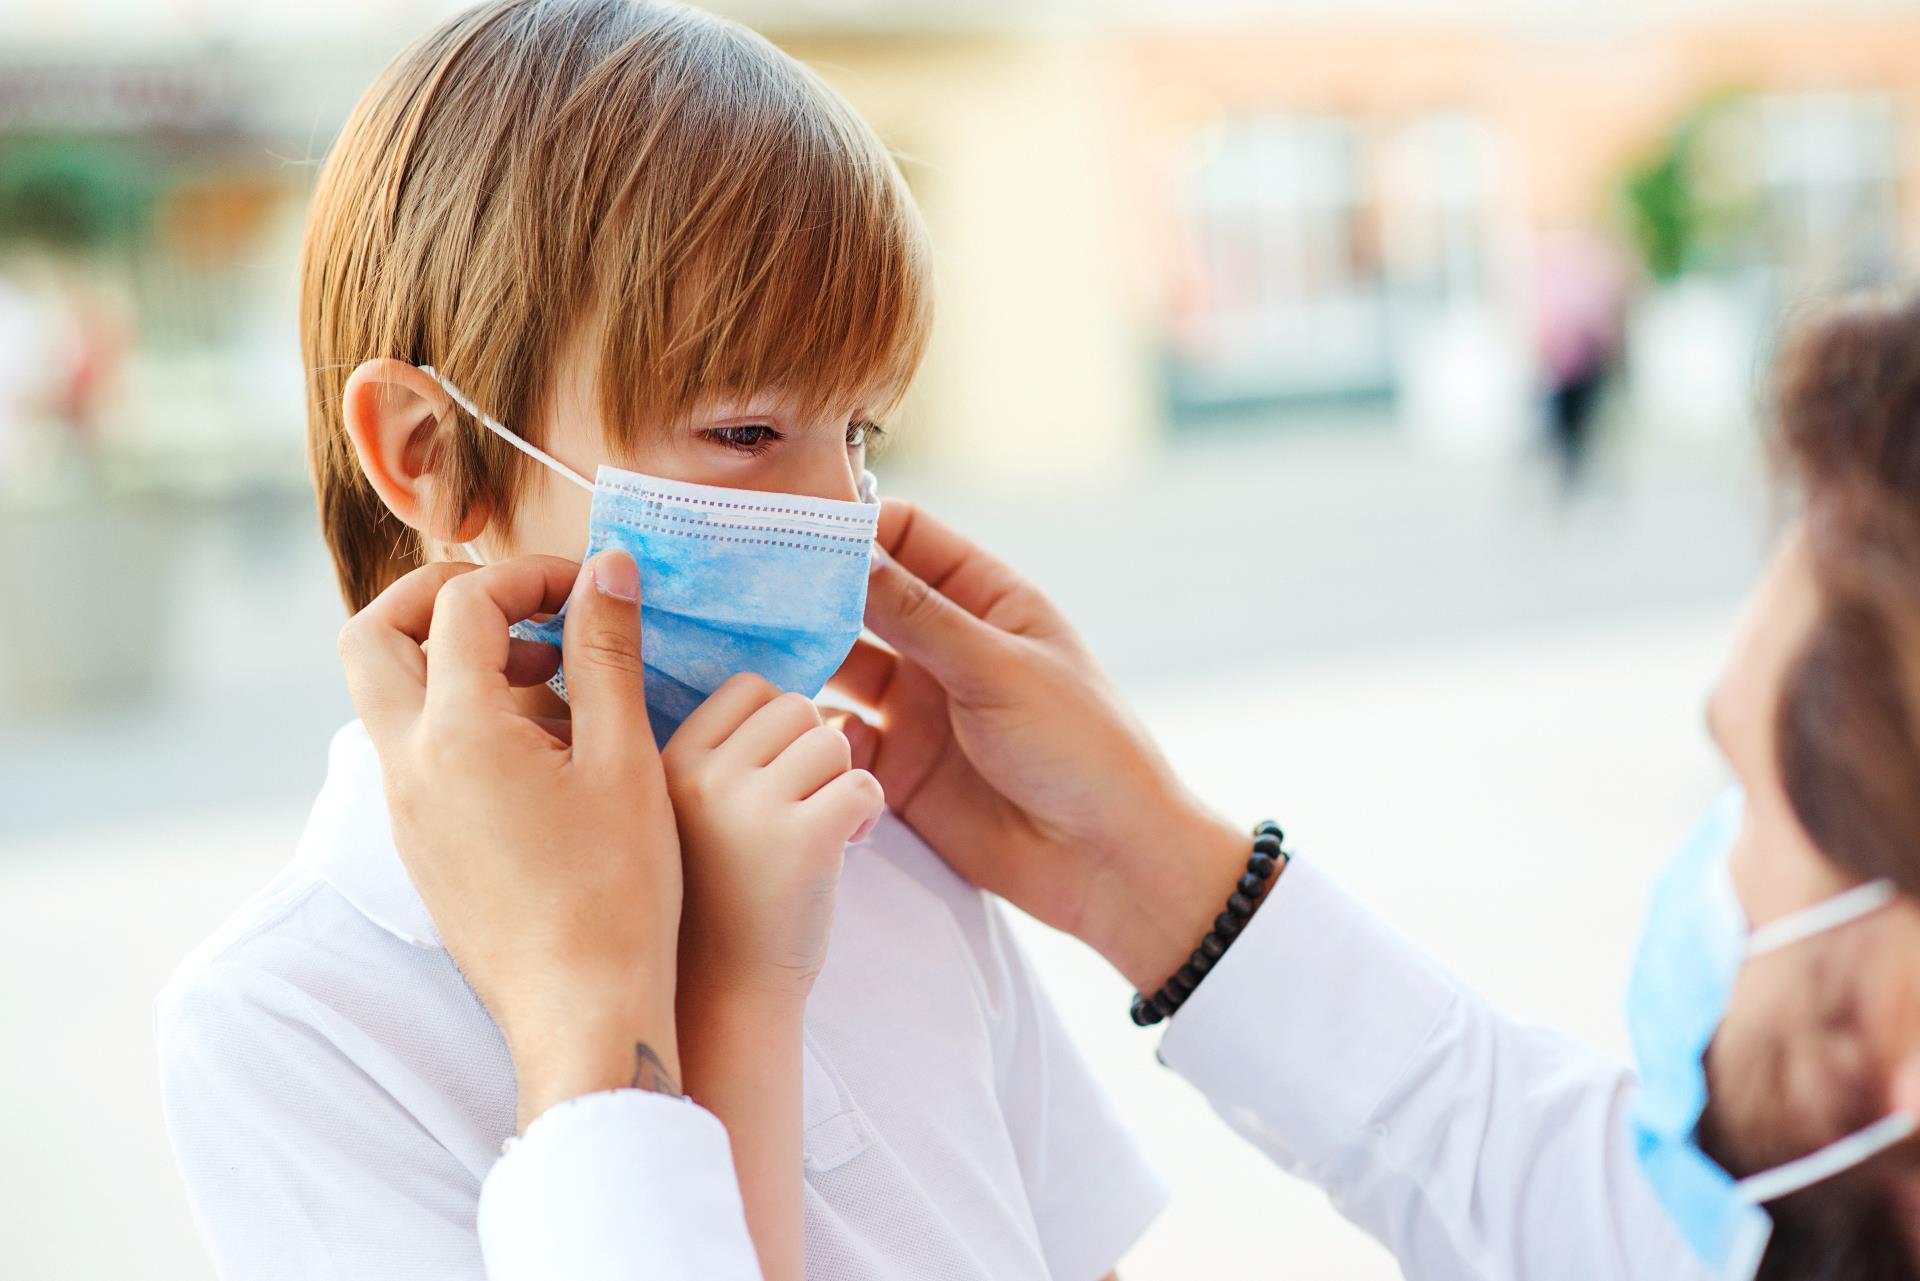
[(617, 1185), (1313, 1015)]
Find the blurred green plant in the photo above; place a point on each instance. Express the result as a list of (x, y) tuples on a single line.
[(1681, 213), (73, 193)]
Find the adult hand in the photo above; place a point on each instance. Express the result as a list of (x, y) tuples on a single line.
[(545, 851), (1003, 744)]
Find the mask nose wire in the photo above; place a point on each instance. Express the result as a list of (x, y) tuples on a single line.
[(499, 429)]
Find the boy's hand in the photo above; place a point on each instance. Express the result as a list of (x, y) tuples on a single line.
[(546, 852), (767, 801)]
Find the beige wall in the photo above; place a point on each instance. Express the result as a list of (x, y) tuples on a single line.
[(1037, 365), (1047, 164), (1574, 110)]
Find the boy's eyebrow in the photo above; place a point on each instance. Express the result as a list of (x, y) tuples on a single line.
[(775, 405)]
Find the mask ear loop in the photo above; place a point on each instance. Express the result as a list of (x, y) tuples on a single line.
[(1836, 1157), (1855, 1149), (1821, 917), (499, 429)]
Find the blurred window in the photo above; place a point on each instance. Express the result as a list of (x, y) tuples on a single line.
[(1290, 296), (1441, 178), (1314, 236), (1813, 180)]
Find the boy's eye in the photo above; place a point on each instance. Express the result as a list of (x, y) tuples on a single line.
[(749, 438), (864, 434)]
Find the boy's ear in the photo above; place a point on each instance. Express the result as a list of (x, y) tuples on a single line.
[(392, 411)]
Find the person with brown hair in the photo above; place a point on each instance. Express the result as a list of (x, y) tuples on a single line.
[(627, 248), (1770, 1131)]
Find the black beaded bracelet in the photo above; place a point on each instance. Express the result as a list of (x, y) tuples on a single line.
[(1268, 859)]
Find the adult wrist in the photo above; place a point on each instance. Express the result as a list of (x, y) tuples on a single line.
[(1267, 857), (556, 1064), (1169, 893)]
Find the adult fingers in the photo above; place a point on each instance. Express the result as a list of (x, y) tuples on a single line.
[(606, 682), (865, 674), (810, 762), (530, 662), (468, 643), (948, 561), (913, 616), (406, 606), (380, 650), (723, 712)]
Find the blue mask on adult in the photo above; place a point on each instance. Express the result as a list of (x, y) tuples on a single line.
[(1695, 940), (731, 580)]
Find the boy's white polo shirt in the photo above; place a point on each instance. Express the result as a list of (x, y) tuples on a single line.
[(337, 1095)]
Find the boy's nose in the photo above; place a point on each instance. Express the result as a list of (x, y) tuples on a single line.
[(832, 472)]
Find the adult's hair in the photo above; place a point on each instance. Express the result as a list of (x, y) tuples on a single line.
[(1849, 438), (534, 170)]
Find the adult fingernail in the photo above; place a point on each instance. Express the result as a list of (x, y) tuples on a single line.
[(860, 740), (865, 830), (876, 556), (615, 575)]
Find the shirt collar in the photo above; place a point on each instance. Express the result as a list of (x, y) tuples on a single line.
[(348, 842)]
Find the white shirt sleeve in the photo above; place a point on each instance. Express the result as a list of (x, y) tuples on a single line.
[(616, 1186), (1471, 1145), (1091, 1189), (300, 1164)]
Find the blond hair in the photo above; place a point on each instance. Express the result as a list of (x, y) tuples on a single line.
[(533, 167)]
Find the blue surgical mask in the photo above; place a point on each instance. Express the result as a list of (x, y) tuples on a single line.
[(1694, 942), (731, 580)]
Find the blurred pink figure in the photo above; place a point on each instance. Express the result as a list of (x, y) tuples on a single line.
[(1579, 308)]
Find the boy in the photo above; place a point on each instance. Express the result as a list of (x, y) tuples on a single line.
[(637, 235)]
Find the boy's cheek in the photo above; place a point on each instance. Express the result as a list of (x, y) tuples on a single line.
[(548, 525)]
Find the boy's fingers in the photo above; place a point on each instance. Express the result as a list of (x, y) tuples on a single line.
[(606, 682), (849, 805), (723, 712), (811, 761), (766, 733), (469, 646)]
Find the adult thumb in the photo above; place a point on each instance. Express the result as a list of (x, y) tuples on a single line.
[(606, 682), (913, 617)]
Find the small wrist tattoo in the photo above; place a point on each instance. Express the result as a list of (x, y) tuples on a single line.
[(649, 1073)]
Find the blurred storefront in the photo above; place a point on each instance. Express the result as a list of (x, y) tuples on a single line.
[(148, 382), (1355, 209), (1148, 219), (1280, 213)]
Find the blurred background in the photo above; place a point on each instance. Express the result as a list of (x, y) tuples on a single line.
[(1378, 383)]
